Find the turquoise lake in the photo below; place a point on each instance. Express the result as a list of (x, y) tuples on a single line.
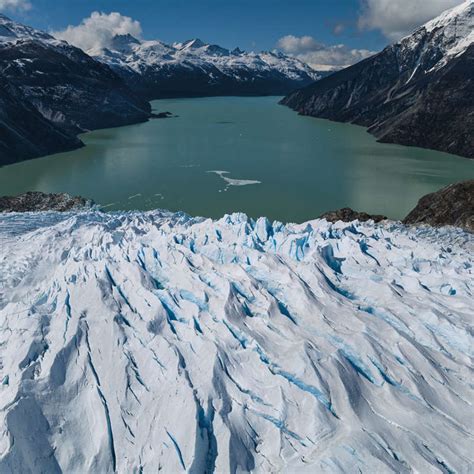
[(276, 163)]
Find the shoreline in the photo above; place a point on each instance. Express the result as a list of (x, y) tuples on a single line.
[(452, 205)]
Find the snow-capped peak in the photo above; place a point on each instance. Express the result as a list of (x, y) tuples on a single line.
[(142, 56), (124, 42), (11, 30), (196, 44), (456, 26), (190, 44), (459, 16), (445, 36)]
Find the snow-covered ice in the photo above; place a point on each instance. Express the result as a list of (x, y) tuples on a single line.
[(139, 342)]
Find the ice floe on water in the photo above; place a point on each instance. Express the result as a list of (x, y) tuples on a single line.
[(232, 181), (139, 342)]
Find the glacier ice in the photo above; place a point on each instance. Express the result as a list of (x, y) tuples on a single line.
[(139, 342)]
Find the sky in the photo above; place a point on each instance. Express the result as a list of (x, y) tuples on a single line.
[(324, 33)]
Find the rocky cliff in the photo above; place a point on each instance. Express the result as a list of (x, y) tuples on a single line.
[(419, 91), (59, 91)]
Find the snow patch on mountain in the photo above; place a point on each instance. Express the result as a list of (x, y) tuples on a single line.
[(416, 92), (141, 55), (447, 35), (11, 30), (137, 342)]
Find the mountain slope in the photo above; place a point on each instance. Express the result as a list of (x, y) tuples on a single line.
[(418, 92), (24, 132), (150, 342), (67, 87), (193, 68)]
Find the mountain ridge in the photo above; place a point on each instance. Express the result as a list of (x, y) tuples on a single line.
[(74, 91), (195, 68), (68, 88), (419, 91)]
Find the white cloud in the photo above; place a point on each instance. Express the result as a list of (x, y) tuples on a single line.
[(338, 28), (14, 5), (98, 30), (397, 18), (320, 56), (297, 44)]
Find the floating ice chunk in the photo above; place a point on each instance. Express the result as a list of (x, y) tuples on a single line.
[(232, 181)]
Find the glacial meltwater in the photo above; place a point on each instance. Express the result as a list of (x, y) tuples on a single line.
[(226, 154)]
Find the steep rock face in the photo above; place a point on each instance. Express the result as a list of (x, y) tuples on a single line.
[(452, 205), (418, 92), (140, 342), (24, 132), (194, 68), (68, 88)]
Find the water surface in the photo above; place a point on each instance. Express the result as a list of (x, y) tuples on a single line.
[(230, 154)]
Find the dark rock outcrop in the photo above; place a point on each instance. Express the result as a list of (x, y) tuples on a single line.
[(417, 92), (452, 205), (347, 214), (70, 90), (68, 87), (24, 132), (37, 201), (162, 115)]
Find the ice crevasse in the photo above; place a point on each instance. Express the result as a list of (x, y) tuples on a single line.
[(140, 342)]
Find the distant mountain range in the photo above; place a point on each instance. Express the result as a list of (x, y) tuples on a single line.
[(419, 91), (193, 68), (51, 91)]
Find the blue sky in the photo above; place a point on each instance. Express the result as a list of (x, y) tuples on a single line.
[(332, 32), (246, 23)]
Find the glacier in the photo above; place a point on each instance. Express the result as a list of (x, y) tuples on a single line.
[(144, 342)]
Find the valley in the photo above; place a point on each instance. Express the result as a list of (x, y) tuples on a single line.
[(302, 166)]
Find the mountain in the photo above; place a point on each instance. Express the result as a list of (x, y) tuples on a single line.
[(419, 91), (24, 132), (146, 342), (71, 91), (194, 68)]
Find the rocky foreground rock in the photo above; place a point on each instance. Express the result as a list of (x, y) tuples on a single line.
[(346, 214), (452, 205), (37, 201)]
